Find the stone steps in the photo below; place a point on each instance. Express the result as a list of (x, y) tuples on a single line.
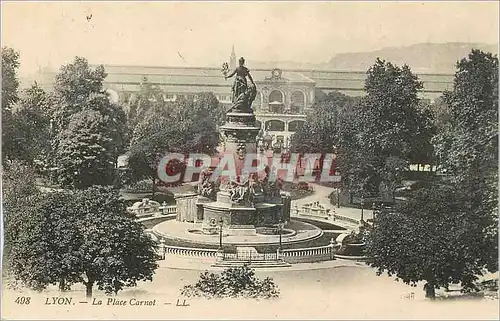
[(253, 264)]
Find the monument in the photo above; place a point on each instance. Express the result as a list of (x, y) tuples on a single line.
[(247, 201)]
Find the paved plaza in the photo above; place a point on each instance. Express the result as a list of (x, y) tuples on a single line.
[(343, 292), (321, 194)]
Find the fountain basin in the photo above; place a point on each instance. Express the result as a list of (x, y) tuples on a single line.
[(192, 233)]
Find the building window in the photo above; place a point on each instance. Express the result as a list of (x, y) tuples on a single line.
[(276, 96), (276, 99), (297, 102), (275, 125)]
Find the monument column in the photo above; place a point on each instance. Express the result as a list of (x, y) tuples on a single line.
[(246, 201)]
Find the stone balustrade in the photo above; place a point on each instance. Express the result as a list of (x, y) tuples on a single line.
[(164, 249), (313, 209), (301, 255), (347, 219), (311, 254), (168, 209), (191, 252)]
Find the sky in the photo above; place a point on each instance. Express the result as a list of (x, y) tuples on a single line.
[(201, 33)]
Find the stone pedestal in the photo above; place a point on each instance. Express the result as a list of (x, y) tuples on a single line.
[(220, 255), (240, 128), (241, 132), (279, 254), (186, 207), (286, 200), (199, 207)]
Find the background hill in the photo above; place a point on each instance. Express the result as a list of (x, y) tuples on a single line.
[(421, 57)]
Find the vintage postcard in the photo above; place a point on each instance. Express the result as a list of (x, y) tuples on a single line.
[(249, 160)]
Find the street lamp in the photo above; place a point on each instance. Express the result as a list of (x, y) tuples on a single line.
[(335, 168), (163, 249), (280, 230), (332, 245), (221, 222), (362, 204), (374, 208)]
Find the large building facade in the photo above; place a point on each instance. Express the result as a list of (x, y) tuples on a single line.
[(283, 98)]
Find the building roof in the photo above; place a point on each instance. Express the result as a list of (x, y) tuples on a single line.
[(179, 77), (209, 79)]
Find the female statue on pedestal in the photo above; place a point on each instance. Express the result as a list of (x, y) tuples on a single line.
[(243, 94)]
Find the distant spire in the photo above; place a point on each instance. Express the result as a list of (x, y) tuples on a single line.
[(232, 59)]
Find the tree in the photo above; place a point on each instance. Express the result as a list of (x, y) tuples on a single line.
[(391, 105), (232, 283), (433, 238), (20, 197), (75, 85), (392, 175), (83, 236), (181, 127), (42, 252), (442, 116), (115, 251), (468, 147), (198, 122), (150, 142), (148, 100), (32, 120), (10, 84), (356, 163), (91, 131), (395, 126), (86, 154), (322, 128), (335, 126)]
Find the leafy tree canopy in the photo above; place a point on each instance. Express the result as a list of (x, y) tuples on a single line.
[(232, 283), (10, 84), (33, 127), (86, 151), (183, 126), (394, 123), (90, 130), (82, 236), (434, 237)]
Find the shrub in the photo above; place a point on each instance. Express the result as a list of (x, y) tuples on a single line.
[(141, 186), (237, 282)]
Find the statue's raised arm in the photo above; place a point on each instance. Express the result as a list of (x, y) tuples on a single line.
[(231, 74)]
